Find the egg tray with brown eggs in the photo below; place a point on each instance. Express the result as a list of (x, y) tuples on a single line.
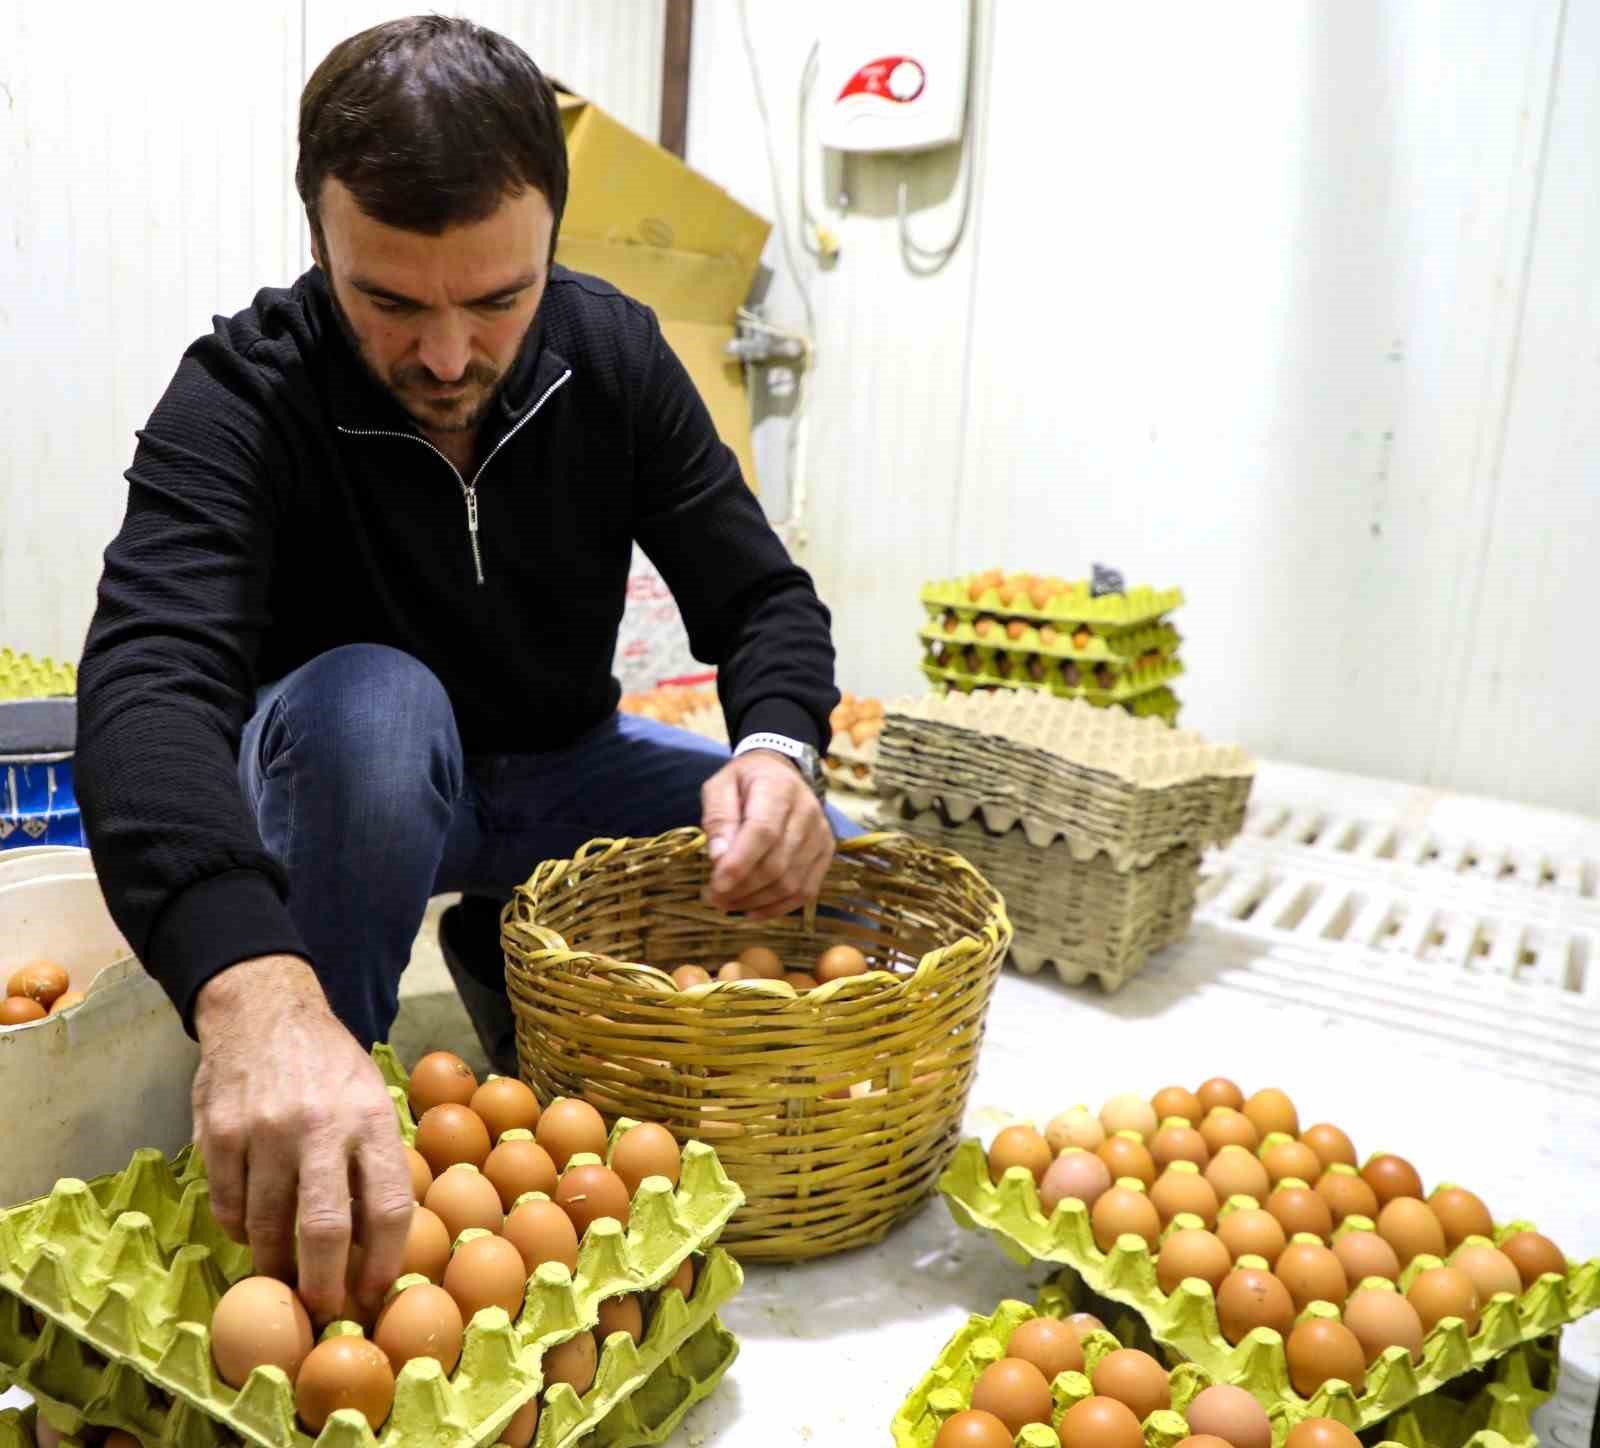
[(1098, 684), (1024, 637), (1240, 1266), (1047, 598), (1016, 1376), (133, 1269)]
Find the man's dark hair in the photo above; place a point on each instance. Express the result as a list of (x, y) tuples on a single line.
[(431, 122)]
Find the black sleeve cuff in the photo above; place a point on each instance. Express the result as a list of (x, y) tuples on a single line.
[(775, 715), (215, 923)]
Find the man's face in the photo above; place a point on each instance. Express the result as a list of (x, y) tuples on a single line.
[(438, 319)]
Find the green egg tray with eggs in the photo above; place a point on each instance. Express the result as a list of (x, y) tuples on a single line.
[(1497, 1413), (24, 677), (133, 1264), (1131, 683), (1186, 1321), (688, 1376), (1105, 646), (1129, 609)]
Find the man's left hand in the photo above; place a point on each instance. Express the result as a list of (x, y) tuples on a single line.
[(767, 835)]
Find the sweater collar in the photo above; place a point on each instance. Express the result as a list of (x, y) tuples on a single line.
[(360, 401)]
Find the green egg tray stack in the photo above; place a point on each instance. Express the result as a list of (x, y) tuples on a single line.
[(126, 1272), (1134, 608), (998, 669), (1186, 1322), (1115, 648), (1496, 1413), (24, 677)]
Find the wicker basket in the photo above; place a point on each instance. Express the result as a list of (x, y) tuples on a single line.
[(836, 1109)]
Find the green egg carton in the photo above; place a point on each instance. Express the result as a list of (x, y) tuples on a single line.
[(1186, 1321), (1104, 647), (1131, 685), (1124, 610), (654, 1413), (1496, 1414), (24, 677), (17, 1430)]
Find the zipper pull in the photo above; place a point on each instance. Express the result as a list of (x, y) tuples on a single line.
[(472, 532)]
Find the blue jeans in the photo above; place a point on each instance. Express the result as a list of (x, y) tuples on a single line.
[(354, 771)]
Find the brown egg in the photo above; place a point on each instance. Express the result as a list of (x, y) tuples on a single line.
[(1192, 1253), (1381, 1320), (1300, 1209), (621, 1314), (1122, 1212), (764, 962), (1235, 1172), (1250, 1298), (1128, 1112), (116, 1438), (1015, 1391), (486, 1272), (43, 981), (518, 1166), (1019, 1146), (1364, 1255), (1270, 1110), (259, 1320), (1203, 1440), (20, 1010), (801, 981), (463, 1197), (449, 1134), (505, 1104), (1223, 1126), (1534, 1256), (1461, 1214), (1083, 1323), (570, 1126), (1411, 1229), (543, 1232), (687, 976), (65, 1002), (1286, 1159), (1231, 1414), (1491, 1271), (572, 1362), (1176, 1142), (1049, 1344), (1443, 1292), (1321, 1433), (646, 1150), (1076, 1126), (1312, 1273), (518, 1433), (1075, 1174), (734, 970), (587, 1193), (973, 1429), (1219, 1091), (421, 1173), (1391, 1176), (1320, 1351), (344, 1372), (1100, 1423), (1252, 1232), (1181, 1189), (440, 1077), (421, 1321), (427, 1251), (683, 1279), (1128, 1158), (1347, 1194), (1134, 1378), (1177, 1101), (1330, 1144), (838, 962)]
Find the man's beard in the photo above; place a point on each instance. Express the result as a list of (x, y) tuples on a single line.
[(480, 384)]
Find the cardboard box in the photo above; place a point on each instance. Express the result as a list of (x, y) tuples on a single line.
[(659, 231)]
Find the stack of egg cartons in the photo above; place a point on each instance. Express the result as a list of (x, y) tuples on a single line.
[(1090, 822), (1109, 646)]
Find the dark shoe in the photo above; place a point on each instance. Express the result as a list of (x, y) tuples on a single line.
[(469, 938)]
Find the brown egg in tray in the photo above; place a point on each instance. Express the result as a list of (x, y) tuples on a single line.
[(1259, 1253)]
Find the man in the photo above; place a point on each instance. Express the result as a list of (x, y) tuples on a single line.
[(354, 638)]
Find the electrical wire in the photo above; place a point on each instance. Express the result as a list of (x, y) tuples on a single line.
[(926, 260)]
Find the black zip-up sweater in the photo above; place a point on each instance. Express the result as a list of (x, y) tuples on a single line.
[(281, 503)]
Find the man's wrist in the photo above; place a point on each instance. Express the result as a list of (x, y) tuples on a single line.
[(287, 978), (803, 757)]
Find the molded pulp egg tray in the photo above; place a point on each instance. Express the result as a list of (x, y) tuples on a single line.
[(1133, 608), (1492, 1410), (1185, 1323), (123, 1274)]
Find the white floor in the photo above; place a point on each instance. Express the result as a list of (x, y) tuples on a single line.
[(1474, 1061)]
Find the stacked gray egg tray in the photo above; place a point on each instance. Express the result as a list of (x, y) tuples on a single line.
[(1090, 822)]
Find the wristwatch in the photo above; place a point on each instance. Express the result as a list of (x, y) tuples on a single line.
[(804, 757)]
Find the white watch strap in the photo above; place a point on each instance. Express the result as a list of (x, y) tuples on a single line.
[(778, 743)]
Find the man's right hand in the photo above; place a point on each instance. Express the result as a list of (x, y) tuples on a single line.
[(297, 1128)]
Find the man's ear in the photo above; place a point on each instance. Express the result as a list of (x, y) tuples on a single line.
[(316, 242)]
